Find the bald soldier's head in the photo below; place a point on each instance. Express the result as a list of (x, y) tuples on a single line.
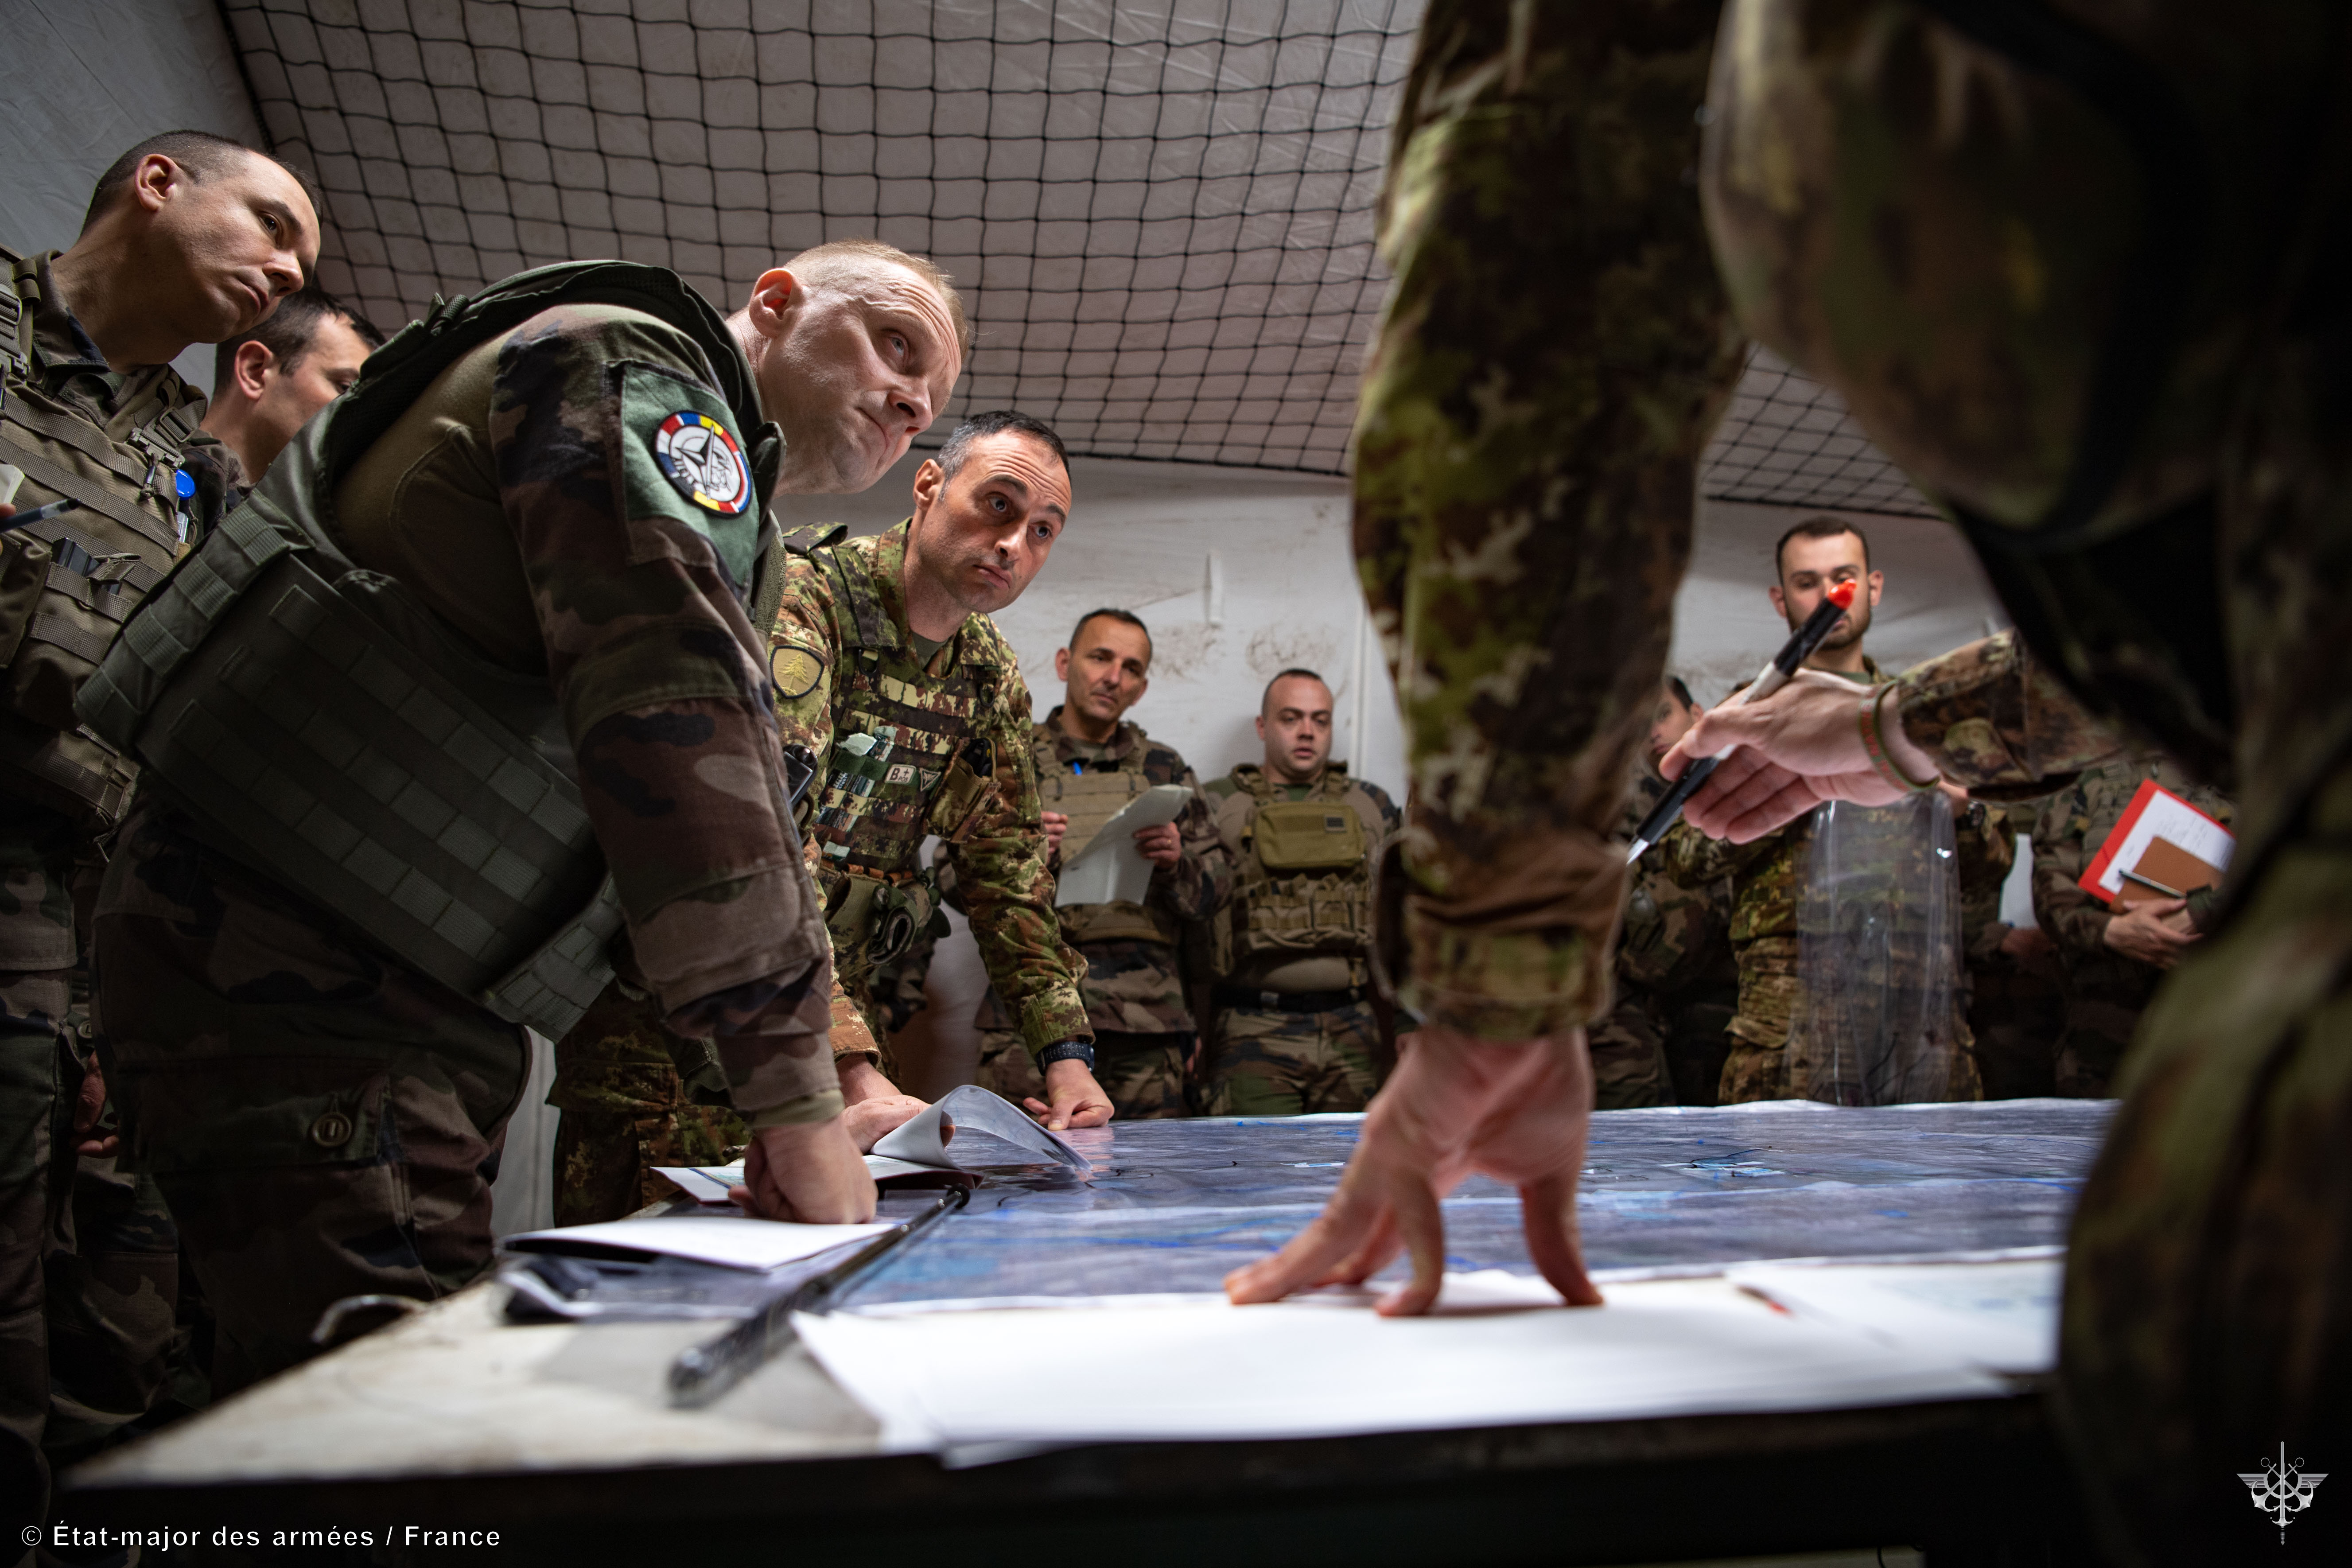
[(855, 345), (1294, 719)]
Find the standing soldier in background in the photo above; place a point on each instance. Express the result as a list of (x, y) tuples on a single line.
[(2017, 994), (1663, 1041), (1294, 1028), (1090, 763), (188, 238), (509, 710), (2113, 958), (267, 383), (890, 675), (1769, 1059)]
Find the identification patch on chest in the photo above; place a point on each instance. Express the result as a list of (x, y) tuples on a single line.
[(698, 456), (900, 772), (795, 671)]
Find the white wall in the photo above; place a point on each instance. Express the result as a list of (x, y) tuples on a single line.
[(81, 84)]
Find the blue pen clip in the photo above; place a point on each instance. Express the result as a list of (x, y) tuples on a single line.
[(184, 483)]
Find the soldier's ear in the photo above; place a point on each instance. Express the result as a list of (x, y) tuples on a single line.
[(1061, 664), (774, 299)]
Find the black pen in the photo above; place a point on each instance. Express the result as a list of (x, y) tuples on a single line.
[(38, 514), (1774, 676)]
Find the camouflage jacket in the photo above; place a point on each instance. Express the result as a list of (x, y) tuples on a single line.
[(1134, 985), (2067, 835), (1767, 877), (905, 751), (1675, 936)]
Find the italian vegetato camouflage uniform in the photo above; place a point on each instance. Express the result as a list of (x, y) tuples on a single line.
[(1295, 1030), (110, 441), (1134, 984), (1677, 982), (1767, 878), (2079, 276), (2105, 991), (565, 500), (906, 748)]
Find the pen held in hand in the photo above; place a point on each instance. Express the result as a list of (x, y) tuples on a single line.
[(1771, 678)]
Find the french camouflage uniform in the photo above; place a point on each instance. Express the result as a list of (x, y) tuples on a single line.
[(911, 743), (1134, 981), (1768, 1058), (2071, 270), (1662, 1042), (116, 443), (2105, 991), (1296, 1029), (507, 727)]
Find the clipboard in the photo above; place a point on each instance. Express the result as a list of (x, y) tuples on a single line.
[(2162, 839)]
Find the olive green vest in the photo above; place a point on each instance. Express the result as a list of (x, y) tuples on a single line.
[(68, 582), (907, 761), (1089, 799), (1304, 878), (327, 728)]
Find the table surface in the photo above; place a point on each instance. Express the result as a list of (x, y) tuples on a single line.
[(563, 1434)]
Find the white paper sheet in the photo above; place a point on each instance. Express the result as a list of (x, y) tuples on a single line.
[(736, 1241), (708, 1184), (1112, 869), (2169, 818), (926, 1139), (1494, 1353), (2002, 1316)]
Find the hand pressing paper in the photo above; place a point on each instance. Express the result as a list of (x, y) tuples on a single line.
[(968, 1129)]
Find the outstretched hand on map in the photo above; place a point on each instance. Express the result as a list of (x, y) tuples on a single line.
[(1516, 1111)]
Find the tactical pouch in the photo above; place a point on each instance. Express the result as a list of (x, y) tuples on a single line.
[(1308, 835), (970, 784), (1082, 923), (872, 921)]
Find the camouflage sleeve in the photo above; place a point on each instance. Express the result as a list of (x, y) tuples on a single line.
[(1550, 360), (1690, 857), (637, 590), (1392, 819), (1000, 865), (2075, 921), (1998, 722), (1201, 882)]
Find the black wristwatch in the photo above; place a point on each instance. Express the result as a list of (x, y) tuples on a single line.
[(1066, 1051)]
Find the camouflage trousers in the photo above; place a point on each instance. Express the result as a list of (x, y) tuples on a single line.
[(2100, 1023), (1698, 1041), (321, 1122), (1629, 1054), (2207, 1309), (634, 1096), (1143, 1074), (1263, 1062)]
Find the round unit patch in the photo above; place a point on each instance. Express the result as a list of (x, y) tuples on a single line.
[(704, 462)]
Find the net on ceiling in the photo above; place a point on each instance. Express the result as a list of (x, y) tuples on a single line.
[(1160, 211)]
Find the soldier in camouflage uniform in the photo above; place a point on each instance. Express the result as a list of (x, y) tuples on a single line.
[(889, 672), (1768, 1059), (2113, 958), (1664, 1040), (1295, 1030), (267, 383), (188, 238), (556, 488), (1090, 761)]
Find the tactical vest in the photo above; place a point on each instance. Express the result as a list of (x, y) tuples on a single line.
[(908, 761), (327, 729), (1304, 883), (1089, 799), (67, 583)]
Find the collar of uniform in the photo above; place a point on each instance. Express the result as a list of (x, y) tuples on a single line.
[(1122, 744), (1254, 778), (886, 565), (60, 347)]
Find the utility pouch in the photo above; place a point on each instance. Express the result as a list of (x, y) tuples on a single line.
[(970, 784), (1308, 835), (872, 921)]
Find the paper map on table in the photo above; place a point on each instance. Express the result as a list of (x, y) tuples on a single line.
[(1111, 869), (2188, 846), (2002, 1315)]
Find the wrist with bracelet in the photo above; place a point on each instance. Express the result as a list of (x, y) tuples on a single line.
[(1066, 1051), (1873, 745)]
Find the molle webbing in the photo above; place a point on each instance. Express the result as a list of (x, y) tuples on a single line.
[(340, 761)]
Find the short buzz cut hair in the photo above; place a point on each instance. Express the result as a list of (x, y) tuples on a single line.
[(200, 152), (1822, 527), (287, 331), (1124, 617), (1266, 699), (996, 422), (839, 259), (1682, 692)]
